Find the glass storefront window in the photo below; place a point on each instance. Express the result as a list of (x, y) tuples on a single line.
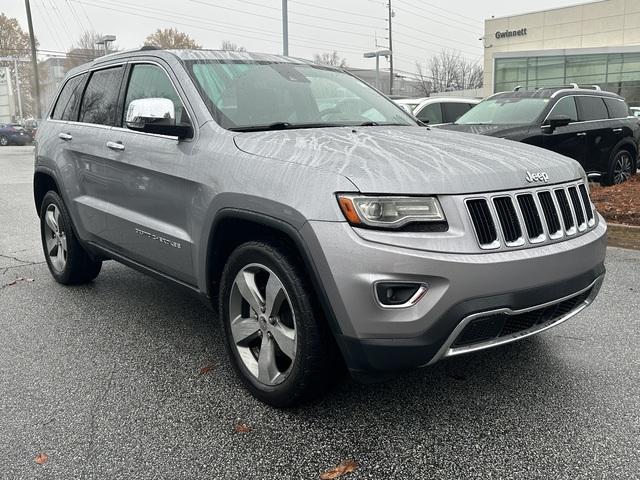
[(615, 72)]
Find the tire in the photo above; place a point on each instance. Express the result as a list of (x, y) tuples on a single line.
[(310, 364), (621, 167), (4, 141), (73, 266)]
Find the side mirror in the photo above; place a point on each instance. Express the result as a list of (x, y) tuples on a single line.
[(155, 115), (556, 121)]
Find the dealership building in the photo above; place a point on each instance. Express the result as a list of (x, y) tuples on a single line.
[(589, 43)]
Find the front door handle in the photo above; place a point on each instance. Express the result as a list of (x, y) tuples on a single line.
[(617, 130), (64, 136), (115, 146), (581, 134)]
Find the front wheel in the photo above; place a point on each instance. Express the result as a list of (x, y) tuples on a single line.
[(278, 342), (4, 141), (68, 262), (621, 168)]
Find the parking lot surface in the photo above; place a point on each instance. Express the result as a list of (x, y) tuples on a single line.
[(127, 378)]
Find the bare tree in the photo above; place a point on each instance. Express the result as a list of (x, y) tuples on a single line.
[(330, 58), (232, 47), (426, 85), (86, 49), (14, 42), (170, 38), (450, 71)]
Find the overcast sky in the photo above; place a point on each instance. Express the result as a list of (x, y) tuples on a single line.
[(421, 28)]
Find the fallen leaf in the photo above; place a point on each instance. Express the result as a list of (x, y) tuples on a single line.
[(41, 458), (242, 428), (345, 467), (206, 369)]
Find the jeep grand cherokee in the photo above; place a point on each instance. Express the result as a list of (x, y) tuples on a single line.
[(324, 223)]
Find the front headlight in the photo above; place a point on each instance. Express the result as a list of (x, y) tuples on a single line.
[(389, 212)]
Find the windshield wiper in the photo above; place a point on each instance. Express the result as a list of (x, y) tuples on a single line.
[(377, 124), (283, 126)]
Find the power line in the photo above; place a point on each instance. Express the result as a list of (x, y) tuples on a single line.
[(475, 32), (217, 30), (474, 20), (422, 32), (308, 15), (361, 15), (52, 31)]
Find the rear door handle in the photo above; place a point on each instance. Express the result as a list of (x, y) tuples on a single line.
[(581, 134), (115, 146), (617, 130), (64, 136)]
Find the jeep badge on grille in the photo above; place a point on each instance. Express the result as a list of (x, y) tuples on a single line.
[(532, 177)]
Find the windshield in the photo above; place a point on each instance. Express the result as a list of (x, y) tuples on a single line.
[(253, 95), (504, 111)]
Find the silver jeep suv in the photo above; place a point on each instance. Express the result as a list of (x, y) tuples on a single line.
[(326, 226)]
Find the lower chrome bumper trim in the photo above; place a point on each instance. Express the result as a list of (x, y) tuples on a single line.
[(448, 351)]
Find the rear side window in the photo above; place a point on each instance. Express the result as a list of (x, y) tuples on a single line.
[(431, 114), (100, 100), (565, 106), (617, 108), (592, 108), (453, 111), (67, 104)]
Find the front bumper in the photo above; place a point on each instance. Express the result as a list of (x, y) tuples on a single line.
[(460, 286)]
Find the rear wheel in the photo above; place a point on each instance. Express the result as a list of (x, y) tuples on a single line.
[(621, 168), (4, 141), (278, 342), (68, 262)]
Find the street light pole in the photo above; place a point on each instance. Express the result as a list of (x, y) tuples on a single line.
[(15, 67), (285, 28), (391, 50), (34, 59), (377, 55)]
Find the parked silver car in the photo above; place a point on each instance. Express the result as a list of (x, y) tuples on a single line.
[(340, 234)]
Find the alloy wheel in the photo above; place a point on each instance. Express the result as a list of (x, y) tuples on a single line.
[(4, 141), (622, 168), (262, 324), (55, 238)]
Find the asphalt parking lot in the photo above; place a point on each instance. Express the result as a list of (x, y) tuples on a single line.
[(107, 381)]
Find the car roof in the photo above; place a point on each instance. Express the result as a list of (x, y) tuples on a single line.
[(192, 55), (405, 101), (553, 92)]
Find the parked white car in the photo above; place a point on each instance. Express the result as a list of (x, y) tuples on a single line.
[(438, 110)]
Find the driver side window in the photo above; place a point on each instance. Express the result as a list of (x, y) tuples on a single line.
[(150, 81), (566, 106), (431, 114)]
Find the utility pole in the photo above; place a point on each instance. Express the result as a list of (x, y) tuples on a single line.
[(285, 28), (34, 60), (391, 50)]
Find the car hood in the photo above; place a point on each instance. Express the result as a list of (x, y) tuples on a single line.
[(412, 160)]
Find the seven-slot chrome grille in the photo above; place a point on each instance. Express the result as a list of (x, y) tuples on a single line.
[(531, 216)]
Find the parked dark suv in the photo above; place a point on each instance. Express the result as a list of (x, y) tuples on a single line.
[(595, 128)]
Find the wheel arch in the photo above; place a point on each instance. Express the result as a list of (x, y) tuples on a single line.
[(627, 144), (44, 180), (232, 227)]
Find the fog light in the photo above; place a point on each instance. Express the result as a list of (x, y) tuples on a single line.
[(399, 294)]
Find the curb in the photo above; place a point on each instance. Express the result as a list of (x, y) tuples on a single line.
[(624, 236)]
